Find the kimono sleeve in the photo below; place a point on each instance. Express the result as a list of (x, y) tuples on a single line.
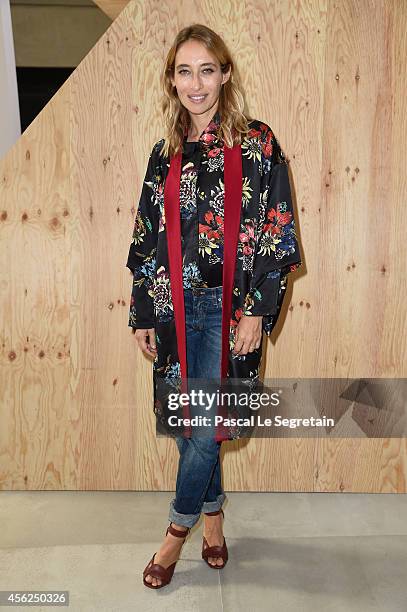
[(141, 259), (277, 250)]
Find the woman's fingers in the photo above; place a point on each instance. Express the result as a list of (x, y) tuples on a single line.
[(248, 335), (146, 341), (246, 345), (152, 344)]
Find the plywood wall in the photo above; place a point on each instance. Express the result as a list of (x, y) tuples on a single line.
[(112, 8), (76, 393)]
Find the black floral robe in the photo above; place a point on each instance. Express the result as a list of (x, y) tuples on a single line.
[(267, 250)]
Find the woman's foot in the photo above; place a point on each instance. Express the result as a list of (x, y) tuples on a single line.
[(213, 534), (168, 553)]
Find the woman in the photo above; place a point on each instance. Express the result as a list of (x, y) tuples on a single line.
[(213, 242)]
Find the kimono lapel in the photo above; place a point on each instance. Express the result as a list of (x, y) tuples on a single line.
[(231, 224), (232, 208), (172, 209)]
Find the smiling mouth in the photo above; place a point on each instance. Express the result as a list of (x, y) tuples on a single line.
[(197, 98)]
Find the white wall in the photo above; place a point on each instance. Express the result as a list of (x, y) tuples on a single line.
[(10, 130)]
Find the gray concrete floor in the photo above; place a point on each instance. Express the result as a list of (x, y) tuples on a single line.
[(287, 551)]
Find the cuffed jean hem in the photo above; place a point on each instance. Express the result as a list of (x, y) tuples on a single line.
[(189, 520), (214, 505)]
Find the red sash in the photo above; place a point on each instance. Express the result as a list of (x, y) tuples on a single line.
[(232, 209)]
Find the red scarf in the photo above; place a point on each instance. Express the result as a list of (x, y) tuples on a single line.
[(232, 208)]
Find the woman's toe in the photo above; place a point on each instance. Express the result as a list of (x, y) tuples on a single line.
[(215, 561)]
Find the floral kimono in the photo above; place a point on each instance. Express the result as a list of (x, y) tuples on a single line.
[(245, 235)]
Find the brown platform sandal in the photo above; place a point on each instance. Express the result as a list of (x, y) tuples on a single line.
[(159, 571), (214, 551)]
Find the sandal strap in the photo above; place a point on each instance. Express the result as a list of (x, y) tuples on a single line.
[(177, 532), (159, 571), (215, 513), (215, 551)]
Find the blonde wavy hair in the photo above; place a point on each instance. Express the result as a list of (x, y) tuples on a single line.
[(233, 124)]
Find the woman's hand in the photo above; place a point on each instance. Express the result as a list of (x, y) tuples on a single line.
[(248, 335), (146, 341)]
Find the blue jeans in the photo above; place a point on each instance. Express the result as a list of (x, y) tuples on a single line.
[(199, 487)]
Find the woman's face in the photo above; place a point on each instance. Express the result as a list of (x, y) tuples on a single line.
[(197, 77)]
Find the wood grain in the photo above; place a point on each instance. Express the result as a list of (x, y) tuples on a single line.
[(75, 392)]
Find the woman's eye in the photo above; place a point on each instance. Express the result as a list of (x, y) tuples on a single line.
[(205, 70)]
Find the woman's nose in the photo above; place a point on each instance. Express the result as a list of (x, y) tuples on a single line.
[(196, 82)]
